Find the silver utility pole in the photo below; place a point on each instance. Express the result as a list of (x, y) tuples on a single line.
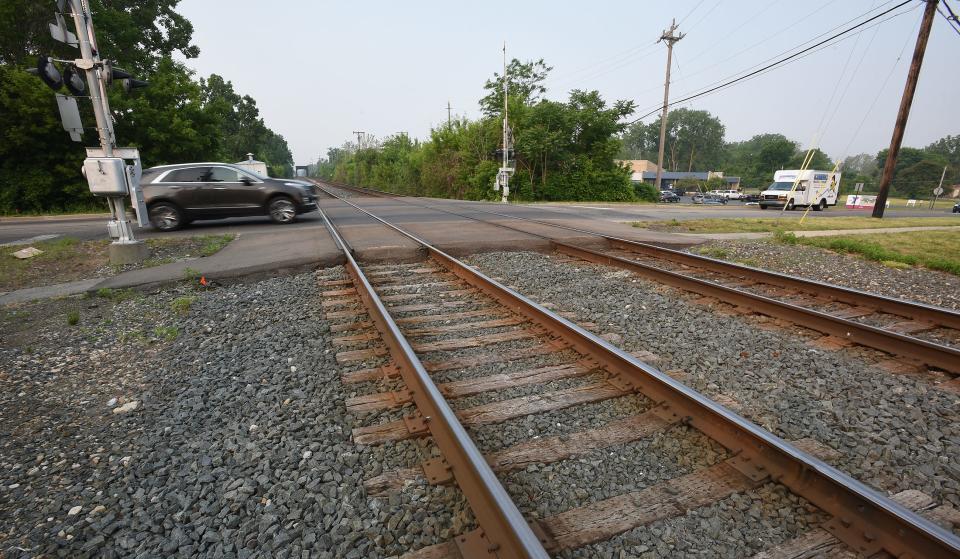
[(448, 114), (503, 177), (104, 168), (669, 38)]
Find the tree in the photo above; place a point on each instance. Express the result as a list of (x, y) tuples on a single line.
[(693, 142), (137, 34), (819, 160), (525, 82), (757, 159), (861, 164), (918, 180)]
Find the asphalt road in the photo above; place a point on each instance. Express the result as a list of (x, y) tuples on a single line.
[(94, 227)]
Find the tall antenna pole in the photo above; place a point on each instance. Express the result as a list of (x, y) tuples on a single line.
[(448, 114), (505, 168), (669, 38), (901, 124), (359, 133)]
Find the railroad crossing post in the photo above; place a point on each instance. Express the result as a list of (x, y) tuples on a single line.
[(104, 169)]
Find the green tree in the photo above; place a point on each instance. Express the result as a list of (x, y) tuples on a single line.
[(525, 83), (693, 142), (136, 34)]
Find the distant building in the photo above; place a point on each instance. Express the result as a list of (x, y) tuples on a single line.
[(642, 170), (301, 170), (252, 164)]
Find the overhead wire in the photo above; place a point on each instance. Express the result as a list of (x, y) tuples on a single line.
[(770, 69), (782, 61), (782, 53), (951, 22), (882, 87)]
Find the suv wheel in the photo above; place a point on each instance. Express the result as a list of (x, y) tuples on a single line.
[(166, 217), (282, 210)]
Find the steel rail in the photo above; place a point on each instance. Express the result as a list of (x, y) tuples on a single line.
[(899, 307), (865, 520), (506, 533), (929, 353)]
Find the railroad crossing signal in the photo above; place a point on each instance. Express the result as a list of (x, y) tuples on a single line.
[(110, 171)]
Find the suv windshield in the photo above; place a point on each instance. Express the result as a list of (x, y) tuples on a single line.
[(780, 186)]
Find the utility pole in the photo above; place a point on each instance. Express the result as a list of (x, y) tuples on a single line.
[(448, 114), (669, 38), (905, 102)]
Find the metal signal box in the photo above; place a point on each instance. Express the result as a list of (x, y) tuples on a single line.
[(106, 176)]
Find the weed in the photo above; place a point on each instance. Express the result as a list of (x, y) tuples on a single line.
[(136, 335), (785, 237), (896, 265), (181, 305), (752, 262), (191, 274), (167, 333), (213, 243), (715, 252), (115, 294), (73, 317)]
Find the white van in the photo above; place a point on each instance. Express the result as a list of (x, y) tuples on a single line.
[(817, 189)]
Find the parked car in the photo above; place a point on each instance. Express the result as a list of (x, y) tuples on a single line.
[(175, 195), (669, 196), (956, 208), (708, 199), (751, 198), (726, 194)]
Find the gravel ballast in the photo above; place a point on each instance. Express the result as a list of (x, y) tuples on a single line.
[(894, 432), (913, 284), (233, 440)]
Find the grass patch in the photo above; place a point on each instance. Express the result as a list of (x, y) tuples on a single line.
[(68, 259), (213, 243), (181, 305), (73, 317), (790, 222), (166, 333), (191, 274), (715, 252), (935, 250), (64, 259)]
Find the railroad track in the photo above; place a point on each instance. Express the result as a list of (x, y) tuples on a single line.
[(458, 358), (918, 336)]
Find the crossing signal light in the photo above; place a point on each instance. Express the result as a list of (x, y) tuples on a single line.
[(48, 72), (73, 79)]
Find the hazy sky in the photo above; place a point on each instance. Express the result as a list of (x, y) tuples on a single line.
[(320, 70)]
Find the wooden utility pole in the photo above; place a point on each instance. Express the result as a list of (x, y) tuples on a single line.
[(905, 103), (669, 38)]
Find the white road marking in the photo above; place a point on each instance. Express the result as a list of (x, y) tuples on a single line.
[(36, 239)]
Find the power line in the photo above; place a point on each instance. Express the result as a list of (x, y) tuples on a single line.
[(950, 21), (883, 86), (693, 9), (780, 61)]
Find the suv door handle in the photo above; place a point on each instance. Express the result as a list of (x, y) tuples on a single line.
[(219, 188)]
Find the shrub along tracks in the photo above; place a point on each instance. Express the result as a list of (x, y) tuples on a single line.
[(430, 332)]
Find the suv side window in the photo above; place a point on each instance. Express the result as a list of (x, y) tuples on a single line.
[(223, 174), (191, 174)]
